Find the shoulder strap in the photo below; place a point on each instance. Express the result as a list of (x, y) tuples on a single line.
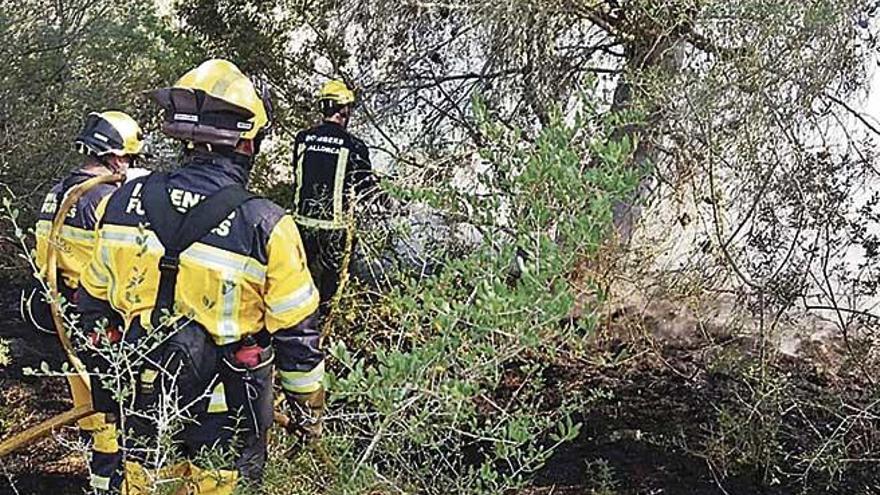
[(68, 182), (164, 219), (177, 231), (210, 212)]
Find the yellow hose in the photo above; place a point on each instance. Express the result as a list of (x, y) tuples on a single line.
[(43, 429), (79, 383), (52, 267)]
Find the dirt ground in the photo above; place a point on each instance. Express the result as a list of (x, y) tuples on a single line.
[(47, 467), (631, 439), (640, 439)]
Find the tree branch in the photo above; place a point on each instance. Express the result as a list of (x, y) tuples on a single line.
[(852, 111), (701, 42)]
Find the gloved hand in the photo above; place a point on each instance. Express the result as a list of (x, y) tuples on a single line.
[(308, 413)]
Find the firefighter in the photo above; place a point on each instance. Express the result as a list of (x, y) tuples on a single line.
[(332, 173), (110, 141), (218, 278)]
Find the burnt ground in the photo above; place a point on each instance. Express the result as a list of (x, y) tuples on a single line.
[(652, 434), (46, 467), (644, 431), (636, 442)]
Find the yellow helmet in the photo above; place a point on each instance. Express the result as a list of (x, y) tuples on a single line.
[(337, 92), (215, 103), (109, 132)]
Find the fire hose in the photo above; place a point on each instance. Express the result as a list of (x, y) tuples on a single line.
[(79, 380)]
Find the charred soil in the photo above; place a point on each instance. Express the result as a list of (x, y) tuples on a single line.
[(651, 412), (47, 466)]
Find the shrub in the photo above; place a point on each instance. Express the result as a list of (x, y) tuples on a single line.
[(440, 382)]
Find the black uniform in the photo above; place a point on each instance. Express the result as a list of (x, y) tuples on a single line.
[(332, 173)]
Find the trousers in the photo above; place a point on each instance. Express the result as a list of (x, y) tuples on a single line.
[(190, 396), (325, 252)]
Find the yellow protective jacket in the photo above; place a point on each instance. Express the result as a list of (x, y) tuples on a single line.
[(248, 274), (77, 237)]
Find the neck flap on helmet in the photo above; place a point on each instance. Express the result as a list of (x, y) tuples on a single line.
[(195, 116)]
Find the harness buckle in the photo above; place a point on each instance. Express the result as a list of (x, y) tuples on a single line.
[(170, 264)]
